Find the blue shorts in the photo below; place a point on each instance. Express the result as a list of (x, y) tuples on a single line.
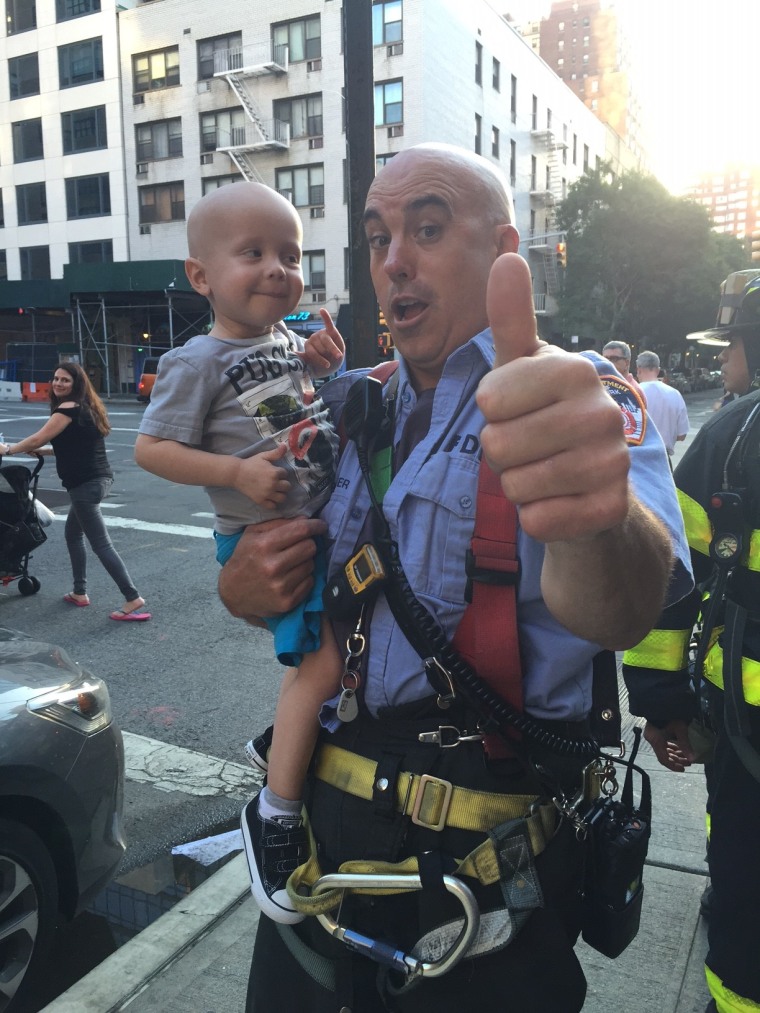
[(296, 632)]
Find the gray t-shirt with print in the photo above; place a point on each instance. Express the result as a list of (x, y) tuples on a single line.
[(242, 398)]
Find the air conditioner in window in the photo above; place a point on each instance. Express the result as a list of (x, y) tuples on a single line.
[(396, 131), (316, 142), (203, 86), (142, 168), (287, 194), (318, 296), (314, 65), (317, 212), (396, 49), (145, 230), (138, 100), (207, 158)]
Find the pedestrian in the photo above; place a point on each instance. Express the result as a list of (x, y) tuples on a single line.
[(665, 405), (438, 222), (76, 430), (235, 410), (619, 354), (718, 481)]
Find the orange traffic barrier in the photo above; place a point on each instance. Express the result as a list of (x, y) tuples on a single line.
[(35, 391)]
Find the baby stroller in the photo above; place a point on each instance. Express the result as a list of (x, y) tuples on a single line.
[(20, 530)]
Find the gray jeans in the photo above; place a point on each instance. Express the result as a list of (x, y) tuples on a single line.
[(86, 521)]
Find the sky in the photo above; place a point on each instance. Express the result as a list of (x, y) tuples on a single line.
[(699, 66)]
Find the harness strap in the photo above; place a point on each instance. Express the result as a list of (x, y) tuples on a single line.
[(487, 636), (430, 801)]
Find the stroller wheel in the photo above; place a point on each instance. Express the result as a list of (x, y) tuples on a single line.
[(28, 585)]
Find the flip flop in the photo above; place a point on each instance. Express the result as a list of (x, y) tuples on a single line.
[(130, 617), (75, 601)]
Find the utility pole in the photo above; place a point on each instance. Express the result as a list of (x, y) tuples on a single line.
[(360, 154)]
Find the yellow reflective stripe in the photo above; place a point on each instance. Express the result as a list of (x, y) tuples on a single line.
[(753, 561), (698, 528), (750, 674), (726, 1000), (664, 649)]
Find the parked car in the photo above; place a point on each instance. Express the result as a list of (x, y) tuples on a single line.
[(147, 378), (61, 799), (679, 381)]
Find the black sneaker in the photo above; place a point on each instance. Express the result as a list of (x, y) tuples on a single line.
[(257, 750), (274, 848)]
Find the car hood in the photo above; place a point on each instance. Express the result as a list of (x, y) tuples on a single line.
[(30, 667)]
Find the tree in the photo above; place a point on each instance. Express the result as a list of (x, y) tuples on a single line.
[(640, 262)]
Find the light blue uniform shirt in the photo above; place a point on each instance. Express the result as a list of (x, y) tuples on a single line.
[(430, 507)]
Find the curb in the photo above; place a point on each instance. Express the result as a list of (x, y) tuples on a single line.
[(128, 971)]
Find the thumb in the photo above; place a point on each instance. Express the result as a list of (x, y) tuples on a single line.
[(274, 455), (509, 303)]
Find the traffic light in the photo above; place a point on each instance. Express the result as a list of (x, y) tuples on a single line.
[(561, 255), (755, 250), (384, 339)]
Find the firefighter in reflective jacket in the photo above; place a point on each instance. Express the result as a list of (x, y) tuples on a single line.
[(718, 484)]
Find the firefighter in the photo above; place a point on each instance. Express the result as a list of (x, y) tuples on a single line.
[(718, 483)]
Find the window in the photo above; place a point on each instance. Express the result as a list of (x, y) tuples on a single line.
[(97, 252), (533, 167), (548, 119), (24, 75), (88, 196), (151, 71), (35, 263), (3, 266), (381, 160), (564, 145), (513, 99), (27, 140), (534, 114), (513, 163), (214, 182), (20, 16), (548, 179), (224, 128), (585, 157), (80, 63), (386, 22), (31, 203), (575, 149), (208, 48), (303, 38), (67, 9), (162, 139), (84, 130), (389, 103), (303, 186), (164, 203), (478, 133), (2, 212), (313, 264), (495, 142), (532, 228), (478, 63), (496, 75), (304, 114)]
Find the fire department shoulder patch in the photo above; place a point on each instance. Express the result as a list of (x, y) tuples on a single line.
[(631, 405)]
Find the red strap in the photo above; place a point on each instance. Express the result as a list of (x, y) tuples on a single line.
[(487, 634)]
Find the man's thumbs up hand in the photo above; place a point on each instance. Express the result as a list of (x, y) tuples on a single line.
[(552, 433), (509, 303)]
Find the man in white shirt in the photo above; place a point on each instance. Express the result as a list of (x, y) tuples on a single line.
[(665, 405)]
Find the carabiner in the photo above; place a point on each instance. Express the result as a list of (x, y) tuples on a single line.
[(384, 953)]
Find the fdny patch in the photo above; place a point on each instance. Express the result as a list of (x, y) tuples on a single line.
[(631, 404)]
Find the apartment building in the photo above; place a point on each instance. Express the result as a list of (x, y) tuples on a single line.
[(732, 198), (183, 97)]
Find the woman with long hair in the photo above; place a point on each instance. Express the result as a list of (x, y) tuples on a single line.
[(77, 429)]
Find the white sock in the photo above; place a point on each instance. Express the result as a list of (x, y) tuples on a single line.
[(283, 810)]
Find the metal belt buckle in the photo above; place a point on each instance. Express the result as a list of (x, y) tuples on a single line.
[(447, 786)]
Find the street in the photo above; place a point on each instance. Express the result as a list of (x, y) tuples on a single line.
[(188, 688)]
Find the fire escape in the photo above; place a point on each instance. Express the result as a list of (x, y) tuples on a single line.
[(240, 67), (543, 244)]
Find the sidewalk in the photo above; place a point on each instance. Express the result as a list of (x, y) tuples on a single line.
[(195, 959)]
